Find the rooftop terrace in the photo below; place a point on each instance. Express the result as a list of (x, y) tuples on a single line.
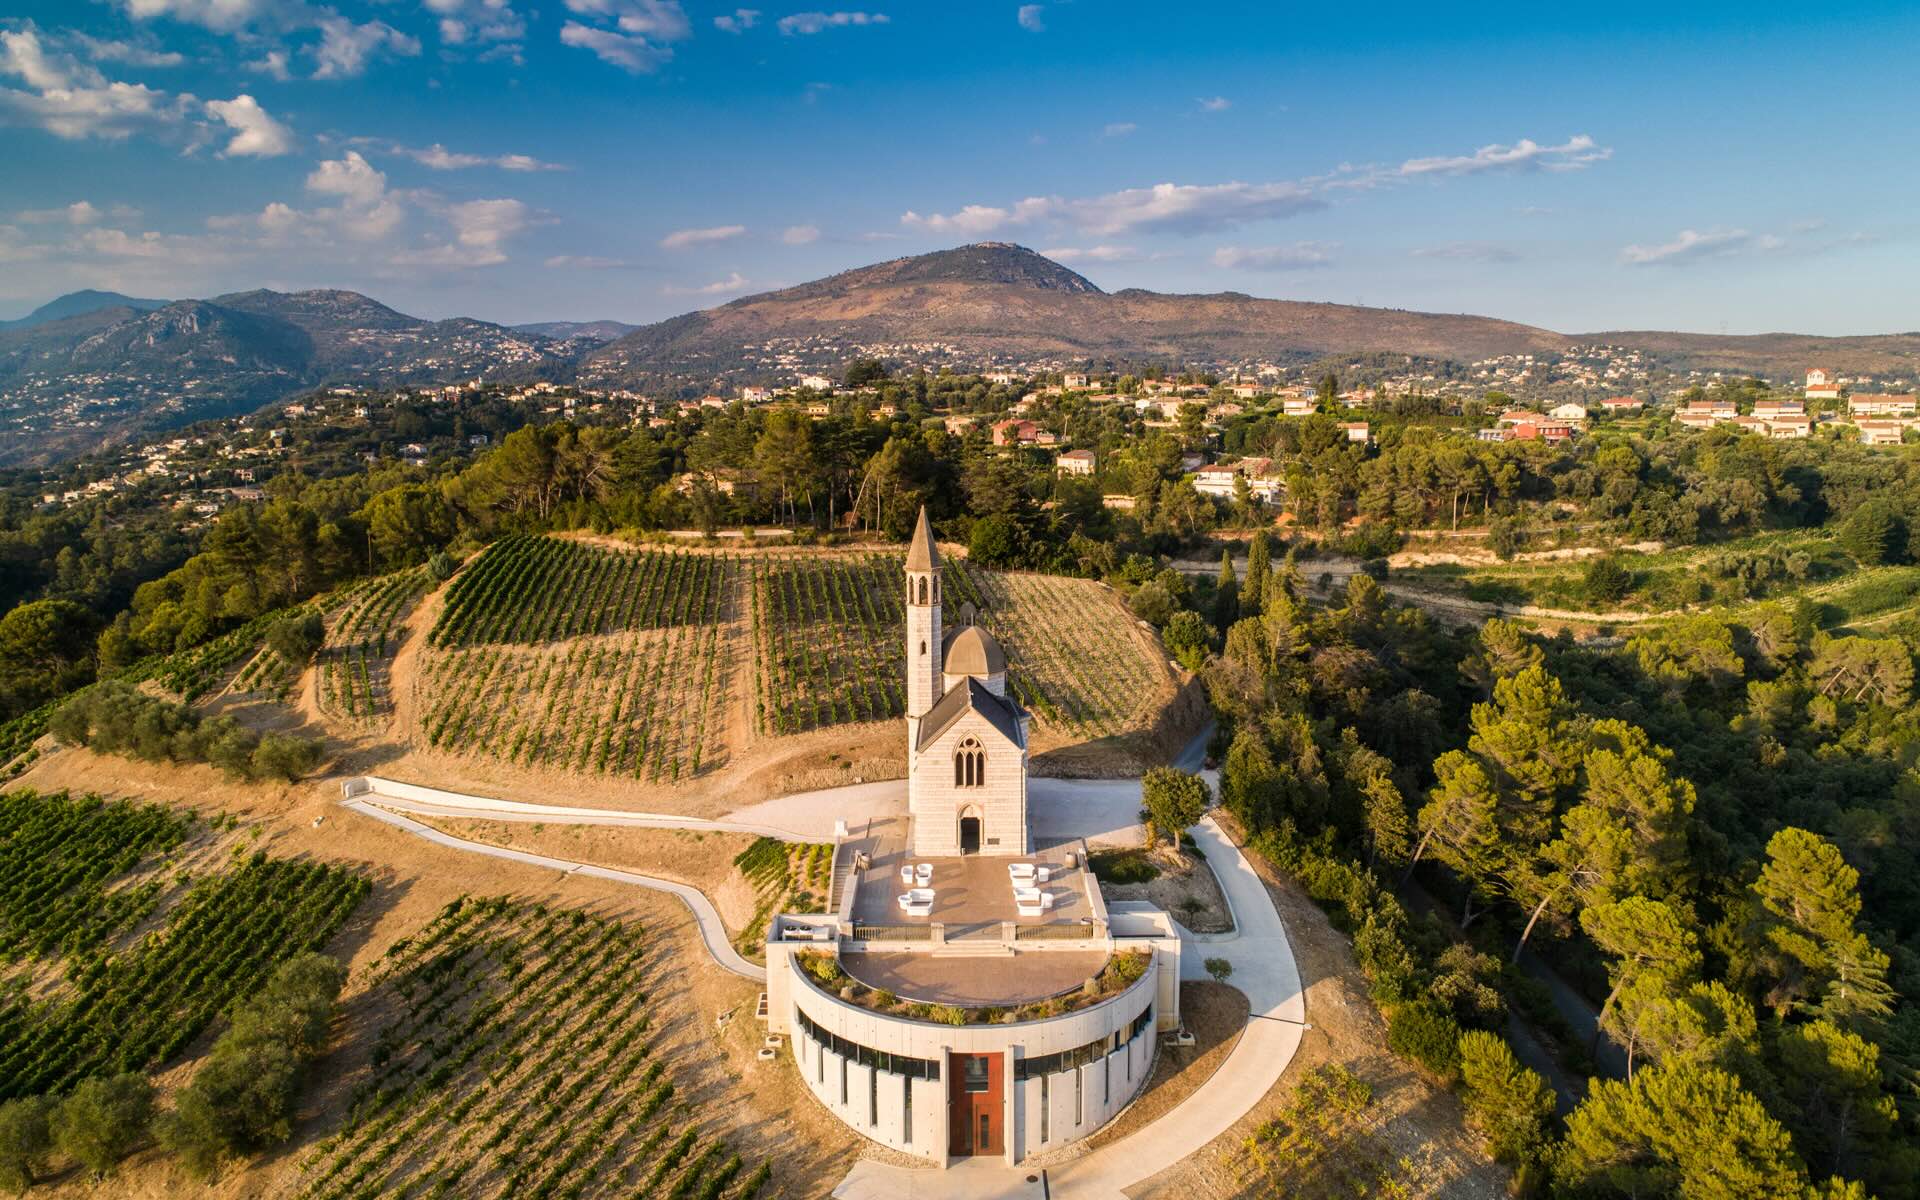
[(973, 895)]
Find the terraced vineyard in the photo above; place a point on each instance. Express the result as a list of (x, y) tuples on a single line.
[(524, 1062), (361, 642), (569, 656), (134, 1008), (1073, 657), (829, 633), (790, 876), (558, 654)]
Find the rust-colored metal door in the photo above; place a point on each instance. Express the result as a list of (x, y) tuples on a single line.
[(974, 1106)]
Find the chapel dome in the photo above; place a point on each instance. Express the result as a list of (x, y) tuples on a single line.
[(973, 651)]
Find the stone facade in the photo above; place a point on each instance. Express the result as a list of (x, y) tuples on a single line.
[(966, 739)]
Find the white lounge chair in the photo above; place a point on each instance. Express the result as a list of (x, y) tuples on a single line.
[(906, 874), (916, 903), (923, 874), (1022, 873)]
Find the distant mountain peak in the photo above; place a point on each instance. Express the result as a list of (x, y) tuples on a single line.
[(79, 303), (994, 263)]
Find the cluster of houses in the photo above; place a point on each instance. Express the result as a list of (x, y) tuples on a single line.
[(1781, 420), (1881, 419)]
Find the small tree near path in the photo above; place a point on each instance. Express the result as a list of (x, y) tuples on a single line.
[(1174, 800)]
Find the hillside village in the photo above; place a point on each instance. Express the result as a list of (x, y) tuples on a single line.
[(217, 464)]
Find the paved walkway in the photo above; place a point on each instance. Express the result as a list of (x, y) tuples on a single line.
[(807, 817), (1263, 968), (712, 931)]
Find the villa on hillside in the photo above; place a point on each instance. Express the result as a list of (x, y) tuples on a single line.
[(1870, 404), (968, 992), (1822, 384)]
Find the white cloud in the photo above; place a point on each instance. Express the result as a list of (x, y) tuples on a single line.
[(1486, 252), (1118, 129), (800, 235), (73, 100), (1300, 256), (345, 48), (1209, 208), (80, 212), (633, 54), (661, 20), (475, 232), (129, 53), (734, 282), (273, 65), (255, 132), (589, 262), (439, 158), (818, 22), (463, 21), (1693, 246), (1105, 254), (222, 15), (352, 178), (480, 231), (1524, 155), (980, 218), (680, 239), (1031, 18), (1215, 104), (1190, 208), (738, 21)]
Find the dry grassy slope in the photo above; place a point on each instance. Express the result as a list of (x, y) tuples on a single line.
[(1001, 318), (995, 299), (1777, 354)]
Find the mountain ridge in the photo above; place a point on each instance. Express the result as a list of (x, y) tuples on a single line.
[(90, 378), (80, 303)]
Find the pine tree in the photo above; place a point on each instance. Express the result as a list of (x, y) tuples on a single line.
[(1226, 594), (1648, 943), (1679, 1130), (1807, 936), (1509, 1103), (1253, 592)]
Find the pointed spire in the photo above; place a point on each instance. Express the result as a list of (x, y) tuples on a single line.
[(922, 554)]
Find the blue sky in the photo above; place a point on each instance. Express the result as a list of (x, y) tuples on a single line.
[(1635, 167)]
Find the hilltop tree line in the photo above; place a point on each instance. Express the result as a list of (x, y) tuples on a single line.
[(112, 587)]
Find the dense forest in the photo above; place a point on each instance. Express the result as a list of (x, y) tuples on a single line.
[(1710, 829)]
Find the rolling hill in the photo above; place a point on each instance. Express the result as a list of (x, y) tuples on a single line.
[(80, 303), (98, 377), (95, 368), (995, 302)]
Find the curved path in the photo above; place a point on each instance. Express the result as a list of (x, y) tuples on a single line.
[(712, 931)]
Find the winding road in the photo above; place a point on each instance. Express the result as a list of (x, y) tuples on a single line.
[(1103, 811)]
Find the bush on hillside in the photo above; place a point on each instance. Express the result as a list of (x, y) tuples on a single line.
[(103, 1120), (1421, 1033), (242, 1098), (117, 718), (295, 638)]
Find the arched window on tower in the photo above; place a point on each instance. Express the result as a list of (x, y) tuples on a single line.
[(922, 592), (969, 765)]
